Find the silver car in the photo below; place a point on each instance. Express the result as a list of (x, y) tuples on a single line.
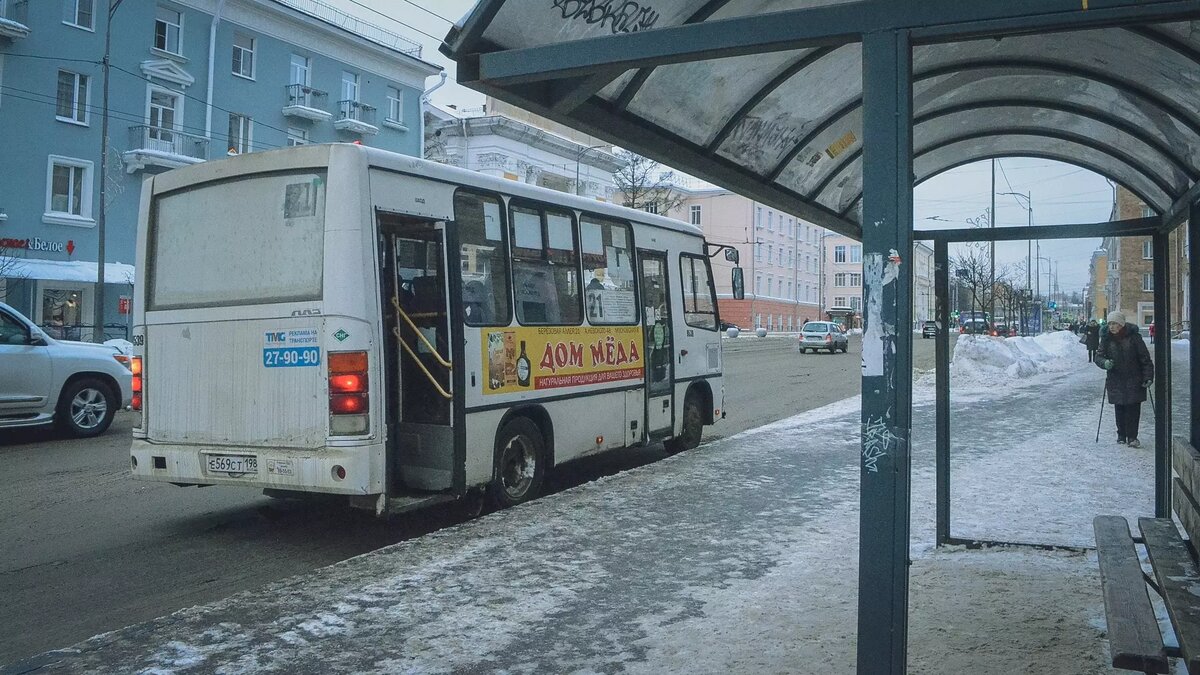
[(823, 335), (77, 386)]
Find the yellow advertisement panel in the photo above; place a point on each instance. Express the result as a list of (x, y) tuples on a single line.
[(533, 359)]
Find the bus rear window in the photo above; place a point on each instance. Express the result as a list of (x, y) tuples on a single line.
[(248, 241)]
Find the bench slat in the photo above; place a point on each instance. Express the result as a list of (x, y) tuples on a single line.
[(1134, 640), (1179, 580)]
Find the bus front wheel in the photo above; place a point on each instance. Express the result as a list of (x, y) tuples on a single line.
[(520, 466)]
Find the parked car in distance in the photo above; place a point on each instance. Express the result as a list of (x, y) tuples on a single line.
[(817, 335), (929, 329), (77, 386), (975, 327), (1000, 329), (726, 325)]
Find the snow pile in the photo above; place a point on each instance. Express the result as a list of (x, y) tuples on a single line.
[(989, 361)]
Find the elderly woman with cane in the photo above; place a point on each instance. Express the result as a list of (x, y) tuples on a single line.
[(1130, 371)]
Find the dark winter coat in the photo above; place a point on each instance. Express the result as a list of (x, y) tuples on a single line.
[(1093, 336), (1131, 366)]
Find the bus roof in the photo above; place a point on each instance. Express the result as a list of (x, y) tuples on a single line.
[(319, 154)]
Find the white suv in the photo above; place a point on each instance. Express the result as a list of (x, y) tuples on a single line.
[(76, 385)]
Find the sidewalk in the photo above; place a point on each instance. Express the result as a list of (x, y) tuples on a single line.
[(738, 557)]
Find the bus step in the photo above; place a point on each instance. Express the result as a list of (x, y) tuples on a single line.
[(406, 503)]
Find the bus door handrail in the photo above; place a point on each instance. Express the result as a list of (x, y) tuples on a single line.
[(400, 338), (436, 354)]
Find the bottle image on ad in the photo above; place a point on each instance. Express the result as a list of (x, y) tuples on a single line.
[(510, 358), (523, 367)]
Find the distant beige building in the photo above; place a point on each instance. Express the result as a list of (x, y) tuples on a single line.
[(1129, 285), (1097, 281), (780, 256), (842, 278)]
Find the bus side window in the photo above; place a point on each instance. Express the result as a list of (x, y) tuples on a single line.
[(545, 266), (483, 260), (609, 289)]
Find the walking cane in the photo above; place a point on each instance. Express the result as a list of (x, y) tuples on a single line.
[(1099, 421)]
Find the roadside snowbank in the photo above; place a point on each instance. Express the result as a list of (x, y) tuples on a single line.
[(980, 360)]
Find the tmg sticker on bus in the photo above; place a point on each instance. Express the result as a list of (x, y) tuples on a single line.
[(525, 359), (291, 348)]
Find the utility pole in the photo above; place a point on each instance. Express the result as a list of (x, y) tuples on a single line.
[(578, 156), (992, 254), (101, 216)]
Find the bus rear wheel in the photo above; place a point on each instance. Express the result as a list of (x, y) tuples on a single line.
[(520, 466), (693, 427)]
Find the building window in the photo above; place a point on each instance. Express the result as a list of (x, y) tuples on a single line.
[(758, 218), (694, 214), (1147, 212), (839, 301), (770, 221), (69, 189), (395, 100), (839, 279), (243, 56), (162, 117), (791, 294), (855, 254), (791, 258), (298, 72), (855, 279), (781, 255), (758, 248), (79, 13), (72, 97), (168, 26), (1148, 250), (241, 130), (856, 303), (650, 208), (1148, 282), (349, 86), (839, 254), (296, 137), (758, 284), (770, 252)]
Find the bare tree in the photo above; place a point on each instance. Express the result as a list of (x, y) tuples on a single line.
[(644, 184), (973, 268), (10, 265)]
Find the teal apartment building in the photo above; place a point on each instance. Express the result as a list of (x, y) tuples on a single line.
[(190, 80)]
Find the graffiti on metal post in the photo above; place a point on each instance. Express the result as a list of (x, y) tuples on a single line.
[(621, 16), (876, 438)]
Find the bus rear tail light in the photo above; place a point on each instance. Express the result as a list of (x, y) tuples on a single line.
[(135, 367), (349, 394)]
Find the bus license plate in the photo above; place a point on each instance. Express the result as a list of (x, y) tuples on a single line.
[(231, 464)]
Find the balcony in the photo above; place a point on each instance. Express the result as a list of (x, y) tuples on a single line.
[(305, 102), (355, 117), (158, 146), (14, 19)]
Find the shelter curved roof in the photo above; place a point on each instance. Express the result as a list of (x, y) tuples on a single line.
[(780, 119)]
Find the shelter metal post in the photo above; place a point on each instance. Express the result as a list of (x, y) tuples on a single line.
[(886, 353), (1162, 375), (1194, 311), (941, 290)]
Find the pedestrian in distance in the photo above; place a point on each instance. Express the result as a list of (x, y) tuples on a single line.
[(1130, 372), (1151, 332), (1091, 335)]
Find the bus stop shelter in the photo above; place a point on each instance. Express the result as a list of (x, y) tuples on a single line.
[(833, 110)]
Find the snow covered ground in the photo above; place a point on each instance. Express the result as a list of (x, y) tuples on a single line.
[(738, 557)]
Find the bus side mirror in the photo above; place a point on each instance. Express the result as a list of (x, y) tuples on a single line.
[(731, 255), (739, 284)]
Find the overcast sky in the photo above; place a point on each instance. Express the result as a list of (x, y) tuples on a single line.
[(1061, 193)]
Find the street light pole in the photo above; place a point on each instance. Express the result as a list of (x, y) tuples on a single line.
[(1028, 197), (102, 213), (992, 253)]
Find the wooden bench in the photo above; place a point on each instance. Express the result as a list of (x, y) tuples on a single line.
[(1135, 641)]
